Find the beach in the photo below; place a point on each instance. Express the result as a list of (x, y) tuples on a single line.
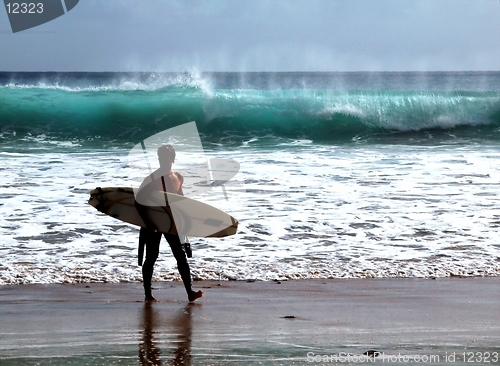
[(367, 206), (339, 163), (334, 321)]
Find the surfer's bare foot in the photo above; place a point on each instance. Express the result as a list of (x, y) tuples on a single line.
[(194, 295), (150, 298)]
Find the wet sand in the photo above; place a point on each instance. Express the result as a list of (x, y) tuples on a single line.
[(444, 321)]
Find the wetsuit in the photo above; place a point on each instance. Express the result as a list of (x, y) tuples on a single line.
[(152, 240)]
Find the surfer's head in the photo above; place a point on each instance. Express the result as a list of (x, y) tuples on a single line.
[(166, 155)]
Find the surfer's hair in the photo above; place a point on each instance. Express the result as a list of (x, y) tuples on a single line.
[(166, 152)]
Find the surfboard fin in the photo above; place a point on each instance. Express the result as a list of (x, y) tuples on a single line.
[(100, 198)]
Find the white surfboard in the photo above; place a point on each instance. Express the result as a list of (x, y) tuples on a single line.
[(171, 213)]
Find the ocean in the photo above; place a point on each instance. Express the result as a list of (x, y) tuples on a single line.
[(342, 175)]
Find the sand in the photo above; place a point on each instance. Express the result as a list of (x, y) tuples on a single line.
[(444, 321)]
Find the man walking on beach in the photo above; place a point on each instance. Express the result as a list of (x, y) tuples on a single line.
[(167, 180)]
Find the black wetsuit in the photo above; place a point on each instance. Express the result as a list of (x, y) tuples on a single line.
[(152, 240)]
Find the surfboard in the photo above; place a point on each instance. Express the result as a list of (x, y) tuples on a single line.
[(171, 213)]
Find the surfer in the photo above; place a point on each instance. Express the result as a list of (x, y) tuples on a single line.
[(167, 180)]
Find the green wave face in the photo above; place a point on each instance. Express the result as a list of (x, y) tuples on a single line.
[(323, 115)]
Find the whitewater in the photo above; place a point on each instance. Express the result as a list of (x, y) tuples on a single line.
[(342, 174)]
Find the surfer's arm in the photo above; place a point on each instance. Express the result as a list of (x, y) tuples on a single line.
[(181, 181), (141, 197), (141, 210)]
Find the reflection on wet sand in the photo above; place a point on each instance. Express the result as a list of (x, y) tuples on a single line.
[(149, 351), (182, 325)]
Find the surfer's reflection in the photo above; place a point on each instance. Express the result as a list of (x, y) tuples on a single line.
[(149, 353), (182, 325)]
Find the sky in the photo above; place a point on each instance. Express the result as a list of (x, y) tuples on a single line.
[(260, 35)]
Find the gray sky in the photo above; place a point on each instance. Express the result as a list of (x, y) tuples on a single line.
[(260, 35)]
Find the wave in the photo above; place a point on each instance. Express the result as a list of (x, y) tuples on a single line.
[(133, 110), (101, 81)]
